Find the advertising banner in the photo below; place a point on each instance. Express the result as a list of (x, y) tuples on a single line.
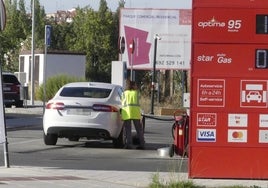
[(230, 60), (225, 25), (173, 45)]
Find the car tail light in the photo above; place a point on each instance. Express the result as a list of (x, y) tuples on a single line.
[(55, 105), (104, 108), (15, 88)]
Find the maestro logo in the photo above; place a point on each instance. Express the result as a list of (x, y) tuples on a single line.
[(211, 23), (237, 135)]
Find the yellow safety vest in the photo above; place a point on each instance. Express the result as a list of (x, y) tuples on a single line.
[(130, 105)]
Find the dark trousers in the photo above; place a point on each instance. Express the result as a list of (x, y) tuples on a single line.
[(139, 130)]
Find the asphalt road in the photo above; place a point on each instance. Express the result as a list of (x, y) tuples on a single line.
[(26, 148)]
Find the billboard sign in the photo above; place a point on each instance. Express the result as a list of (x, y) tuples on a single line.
[(174, 28)]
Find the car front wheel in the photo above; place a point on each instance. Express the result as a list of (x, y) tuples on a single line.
[(50, 139)]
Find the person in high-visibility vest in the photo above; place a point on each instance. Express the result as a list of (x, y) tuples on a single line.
[(131, 111)]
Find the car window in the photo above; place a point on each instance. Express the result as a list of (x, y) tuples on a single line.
[(119, 94), (85, 92), (10, 79)]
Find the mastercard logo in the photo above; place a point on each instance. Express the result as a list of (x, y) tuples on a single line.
[(237, 134)]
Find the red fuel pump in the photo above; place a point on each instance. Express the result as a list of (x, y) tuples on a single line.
[(180, 134)]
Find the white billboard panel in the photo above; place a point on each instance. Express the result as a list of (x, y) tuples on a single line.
[(173, 26)]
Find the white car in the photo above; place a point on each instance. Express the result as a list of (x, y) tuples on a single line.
[(84, 110)]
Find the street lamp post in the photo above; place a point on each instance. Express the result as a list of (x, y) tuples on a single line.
[(156, 38), (47, 44), (32, 62)]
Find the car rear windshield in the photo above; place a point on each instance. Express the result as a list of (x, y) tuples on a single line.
[(85, 92), (10, 79)]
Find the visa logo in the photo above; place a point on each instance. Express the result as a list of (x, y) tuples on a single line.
[(206, 135)]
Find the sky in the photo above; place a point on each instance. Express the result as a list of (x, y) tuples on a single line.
[(51, 6)]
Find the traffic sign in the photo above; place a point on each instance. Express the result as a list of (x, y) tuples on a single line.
[(48, 35), (122, 45), (132, 46)]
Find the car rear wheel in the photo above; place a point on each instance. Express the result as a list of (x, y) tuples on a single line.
[(50, 139), (8, 105), (19, 103), (121, 140), (74, 139)]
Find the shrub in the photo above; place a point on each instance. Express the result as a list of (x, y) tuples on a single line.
[(157, 183), (53, 84)]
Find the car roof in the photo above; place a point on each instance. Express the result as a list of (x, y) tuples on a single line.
[(92, 84), (7, 73)]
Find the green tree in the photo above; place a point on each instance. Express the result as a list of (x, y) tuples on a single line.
[(94, 34), (104, 48), (16, 31), (24, 20), (61, 34), (39, 25)]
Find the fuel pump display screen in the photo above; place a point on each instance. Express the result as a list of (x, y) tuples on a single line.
[(261, 58), (261, 24)]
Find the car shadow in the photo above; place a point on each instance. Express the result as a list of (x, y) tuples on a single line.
[(108, 144)]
